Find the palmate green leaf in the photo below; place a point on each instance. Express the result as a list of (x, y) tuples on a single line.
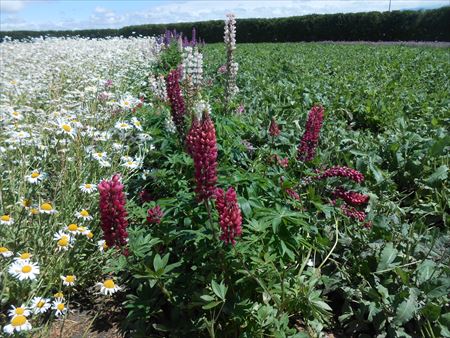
[(211, 305), (219, 289), (407, 308), (387, 257), (440, 174)]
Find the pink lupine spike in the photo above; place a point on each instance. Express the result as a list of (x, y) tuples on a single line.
[(307, 148), (112, 212), (230, 218)]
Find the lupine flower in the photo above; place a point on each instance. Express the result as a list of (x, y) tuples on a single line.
[(154, 215), (231, 65), (112, 212), (352, 212), (192, 65), (307, 148), (350, 197), (193, 135), (203, 147), (337, 171), (293, 194), (176, 100), (274, 130), (158, 87), (230, 218)]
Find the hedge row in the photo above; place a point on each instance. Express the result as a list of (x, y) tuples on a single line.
[(429, 25)]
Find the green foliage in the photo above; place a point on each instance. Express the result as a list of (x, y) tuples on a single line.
[(302, 268), (429, 25)]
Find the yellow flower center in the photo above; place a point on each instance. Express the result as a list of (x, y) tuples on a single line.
[(18, 320), (40, 304), (60, 306), (26, 269), (64, 241), (58, 295), (72, 227), (66, 127), (84, 213), (3, 249), (90, 234), (129, 162), (105, 246), (26, 202), (15, 113), (5, 218), (88, 186), (70, 278), (124, 125), (126, 103), (100, 154), (34, 211), (25, 255), (109, 284), (46, 207), (19, 310), (35, 174)]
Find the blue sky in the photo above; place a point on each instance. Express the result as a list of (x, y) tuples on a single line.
[(81, 14)]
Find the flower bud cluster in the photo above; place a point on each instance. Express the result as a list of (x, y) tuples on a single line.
[(338, 171), (112, 212), (274, 129), (307, 148), (230, 218), (176, 99), (154, 215), (351, 197)]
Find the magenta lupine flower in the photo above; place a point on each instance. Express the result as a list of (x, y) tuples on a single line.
[(230, 218), (337, 171), (193, 135), (351, 197), (203, 148), (352, 212), (293, 194), (274, 129), (113, 216), (176, 100), (154, 215), (307, 148)]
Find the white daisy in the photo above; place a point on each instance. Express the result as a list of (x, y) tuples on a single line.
[(66, 128), (68, 280), (18, 324), (136, 123), (24, 270), (108, 287), (104, 164), (132, 164), (83, 214), (25, 202), (59, 307), (5, 252), (100, 155), (6, 220), (63, 241), (23, 257), (88, 188), (18, 311), (16, 115), (123, 126), (40, 305), (35, 177), (47, 208), (102, 246)]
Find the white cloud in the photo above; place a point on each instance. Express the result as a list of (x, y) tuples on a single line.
[(188, 11), (11, 6)]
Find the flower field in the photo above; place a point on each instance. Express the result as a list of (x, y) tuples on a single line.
[(223, 190)]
